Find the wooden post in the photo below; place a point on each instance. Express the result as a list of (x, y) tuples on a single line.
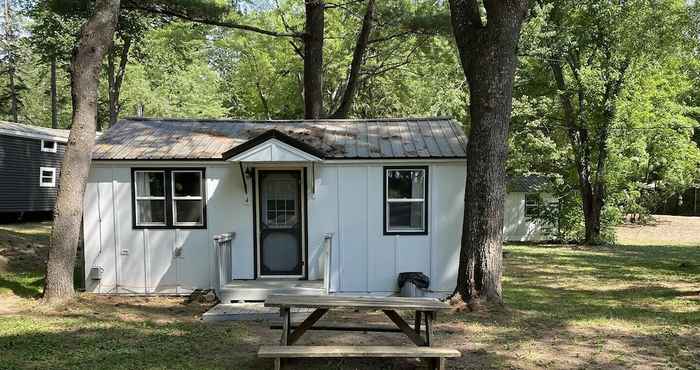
[(417, 322), (438, 363), (429, 328), (286, 316), (285, 312)]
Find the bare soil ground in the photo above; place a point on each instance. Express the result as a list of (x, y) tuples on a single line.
[(663, 230), (628, 306)]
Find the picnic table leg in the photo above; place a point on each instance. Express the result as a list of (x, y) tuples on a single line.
[(437, 363), (285, 313), (417, 322), (286, 324), (429, 328), (405, 328)]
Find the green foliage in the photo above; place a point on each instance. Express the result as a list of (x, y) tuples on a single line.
[(648, 125)]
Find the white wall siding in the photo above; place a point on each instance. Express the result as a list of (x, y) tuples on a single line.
[(517, 227), (346, 200), (446, 224), (146, 260), (349, 203)]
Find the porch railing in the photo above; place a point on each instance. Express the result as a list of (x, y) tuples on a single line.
[(222, 245), (328, 254)]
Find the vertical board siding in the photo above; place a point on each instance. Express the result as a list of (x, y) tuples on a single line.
[(365, 260), (352, 193), (143, 260), (20, 161), (516, 226), (323, 219), (382, 249), (447, 214), (347, 202)]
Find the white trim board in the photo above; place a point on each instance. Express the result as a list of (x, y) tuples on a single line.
[(273, 150)]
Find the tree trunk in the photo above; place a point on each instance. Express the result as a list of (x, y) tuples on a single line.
[(95, 39), (115, 79), (488, 56), (13, 92), (11, 70), (357, 58), (54, 94), (313, 59)]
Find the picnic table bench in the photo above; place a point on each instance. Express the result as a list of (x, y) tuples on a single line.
[(421, 335)]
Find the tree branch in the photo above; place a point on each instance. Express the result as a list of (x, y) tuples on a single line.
[(163, 10)]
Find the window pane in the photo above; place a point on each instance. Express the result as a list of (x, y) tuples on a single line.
[(405, 184), (187, 184), (406, 216), (188, 211), (150, 184), (151, 211)]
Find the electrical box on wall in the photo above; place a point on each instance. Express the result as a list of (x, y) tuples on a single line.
[(96, 273)]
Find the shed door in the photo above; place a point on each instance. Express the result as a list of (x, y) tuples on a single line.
[(280, 251)]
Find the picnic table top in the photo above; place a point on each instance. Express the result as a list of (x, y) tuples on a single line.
[(353, 302)]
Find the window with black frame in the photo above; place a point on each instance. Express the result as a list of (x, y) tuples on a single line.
[(405, 208), (169, 198), (532, 205)]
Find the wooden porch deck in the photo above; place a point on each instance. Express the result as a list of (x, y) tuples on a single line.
[(258, 290)]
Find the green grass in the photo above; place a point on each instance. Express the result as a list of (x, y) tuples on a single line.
[(21, 284), (613, 308)]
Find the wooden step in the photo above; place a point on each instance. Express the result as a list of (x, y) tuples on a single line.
[(355, 351)]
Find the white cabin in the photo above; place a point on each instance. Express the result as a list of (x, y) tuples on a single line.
[(338, 206)]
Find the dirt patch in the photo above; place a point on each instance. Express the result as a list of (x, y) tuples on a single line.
[(663, 230), (24, 247)]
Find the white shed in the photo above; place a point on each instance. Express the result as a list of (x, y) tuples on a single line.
[(525, 197), (253, 207)]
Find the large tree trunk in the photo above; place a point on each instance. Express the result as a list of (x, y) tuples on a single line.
[(488, 56), (54, 94), (313, 59), (95, 40), (357, 58)]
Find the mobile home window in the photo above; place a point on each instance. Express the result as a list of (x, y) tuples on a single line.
[(532, 204), (168, 198), (47, 177), (405, 206), (48, 146)]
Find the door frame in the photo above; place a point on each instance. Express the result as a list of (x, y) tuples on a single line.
[(303, 239)]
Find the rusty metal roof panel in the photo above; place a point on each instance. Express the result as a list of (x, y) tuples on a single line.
[(181, 139)]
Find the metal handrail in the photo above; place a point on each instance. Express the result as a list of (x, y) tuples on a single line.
[(222, 244), (328, 250)]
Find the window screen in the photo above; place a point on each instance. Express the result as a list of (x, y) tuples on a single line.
[(532, 205), (405, 206), (150, 198), (169, 198), (188, 205)]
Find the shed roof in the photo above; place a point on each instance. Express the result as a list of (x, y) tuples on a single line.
[(527, 183), (33, 132), (172, 139)]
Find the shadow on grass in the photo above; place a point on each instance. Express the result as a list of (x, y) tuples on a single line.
[(26, 285)]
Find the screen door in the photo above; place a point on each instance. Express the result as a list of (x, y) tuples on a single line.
[(280, 221)]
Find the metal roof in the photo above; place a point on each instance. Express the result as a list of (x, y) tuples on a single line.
[(168, 139), (33, 132), (527, 183)]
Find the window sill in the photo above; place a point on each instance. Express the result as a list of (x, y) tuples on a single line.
[(168, 227)]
